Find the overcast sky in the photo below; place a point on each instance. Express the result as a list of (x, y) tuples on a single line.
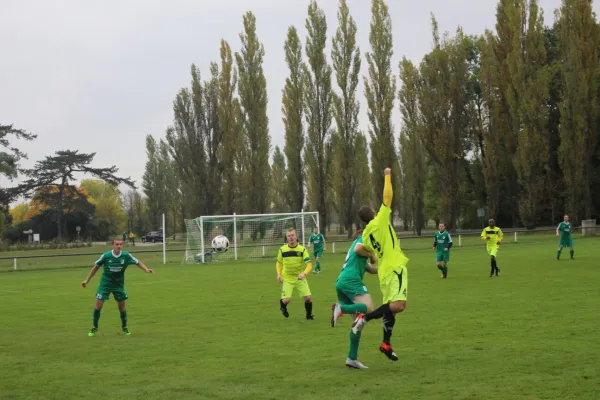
[(100, 76)]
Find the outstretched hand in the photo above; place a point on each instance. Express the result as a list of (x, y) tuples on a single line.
[(84, 284), (387, 171), (150, 271)]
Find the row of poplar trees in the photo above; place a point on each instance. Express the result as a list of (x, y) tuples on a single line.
[(505, 121)]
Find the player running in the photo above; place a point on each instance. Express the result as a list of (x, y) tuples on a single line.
[(114, 264), (493, 235), (290, 262), (318, 241), (565, 230), (379, 238), (352, 293), (442, 243)]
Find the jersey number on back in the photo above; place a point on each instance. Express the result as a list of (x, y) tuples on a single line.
[(376, 246)]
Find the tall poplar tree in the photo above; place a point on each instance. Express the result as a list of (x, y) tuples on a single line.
[(293, 113), (229, 151), (318, 108), (530, 79), (413, 160), (345, 57), (380, 91), (579, 39), (444, 105), (256, 143)]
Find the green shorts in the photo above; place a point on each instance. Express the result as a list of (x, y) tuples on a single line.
[(103, 294), (318, 253), (568, 242), (348, 290), (442, 256)]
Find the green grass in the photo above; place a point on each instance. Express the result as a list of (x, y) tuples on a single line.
[(215, 332)]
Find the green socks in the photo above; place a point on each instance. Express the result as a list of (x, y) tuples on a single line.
[(96, 318), (354, 341), (318, 266), (558, 255), (354, 309), (572, 253), (445, 271), (123, 319)]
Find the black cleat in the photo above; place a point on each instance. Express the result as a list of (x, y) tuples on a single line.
[(285, 312), (386, 349), (310, 317)]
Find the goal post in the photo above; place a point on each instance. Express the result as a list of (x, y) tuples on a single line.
[(251, 236)]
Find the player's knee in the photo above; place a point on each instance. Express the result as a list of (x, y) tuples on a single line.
[(307, 299), (398, 306), (99, 304), (286, 300)]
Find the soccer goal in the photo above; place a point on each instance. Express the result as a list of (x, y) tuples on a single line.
[(251, 236)]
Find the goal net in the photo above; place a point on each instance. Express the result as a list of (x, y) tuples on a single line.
[(251, 236)]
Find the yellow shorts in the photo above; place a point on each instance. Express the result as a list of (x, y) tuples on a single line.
[(394, 286), (493, 250), (301, 286)]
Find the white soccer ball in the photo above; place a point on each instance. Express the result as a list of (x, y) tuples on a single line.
[(220, 244)]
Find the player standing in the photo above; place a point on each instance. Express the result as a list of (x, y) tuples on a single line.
[(352, 293), (442, 243), (379, 238), (114, 264), (291, 273), (564, 230), (318, 241), (493, 235)]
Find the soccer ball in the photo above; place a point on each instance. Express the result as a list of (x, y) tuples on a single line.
[(220, 244)]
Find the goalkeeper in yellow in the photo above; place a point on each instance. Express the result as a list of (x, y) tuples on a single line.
[(379, 238), (291, 273), (493, 235)]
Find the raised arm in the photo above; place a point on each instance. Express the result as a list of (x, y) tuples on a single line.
[(388, 193)]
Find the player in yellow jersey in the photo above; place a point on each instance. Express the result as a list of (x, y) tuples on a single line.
[(379, 238), (493, 235), (291, 273)]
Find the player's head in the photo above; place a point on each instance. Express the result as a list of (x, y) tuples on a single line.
[(566, 218), (117, 244), (366, 214), (492, 222), (442, 226), (316, 230), (291, 236)]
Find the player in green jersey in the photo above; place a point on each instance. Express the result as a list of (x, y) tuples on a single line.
[(379, 238), (352, 293), (564, 231), (318, 241), (442, 243), (114, 264), (493, 236)]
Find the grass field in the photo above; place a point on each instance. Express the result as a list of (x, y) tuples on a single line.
[(215, 331)]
